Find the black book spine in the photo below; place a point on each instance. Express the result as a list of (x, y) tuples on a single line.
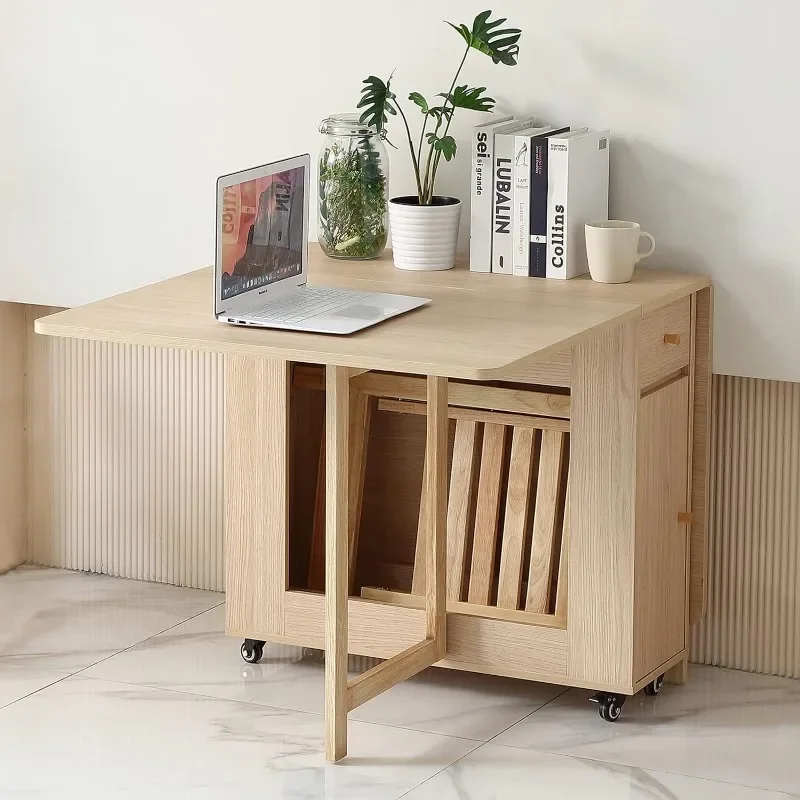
[(537, 262)]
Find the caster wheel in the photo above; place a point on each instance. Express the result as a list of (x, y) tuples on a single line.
[(654, 687), (610, 711), (252, 651), (610, 705)]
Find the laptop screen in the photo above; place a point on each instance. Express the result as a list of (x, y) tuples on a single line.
[(261, 231)]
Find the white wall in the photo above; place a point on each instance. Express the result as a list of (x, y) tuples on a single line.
[(116, 118)]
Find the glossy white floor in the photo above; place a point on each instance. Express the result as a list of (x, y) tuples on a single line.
[(113, 688)]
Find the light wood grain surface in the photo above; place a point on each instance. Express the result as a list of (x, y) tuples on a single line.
[(337, 463), (487, 514), (518, 498), (701, 450), (478, 326), (659, 601), (256, 492), (602, 479)]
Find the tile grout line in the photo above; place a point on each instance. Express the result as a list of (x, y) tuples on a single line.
[(482, 744), (116, 653), (721, 781)]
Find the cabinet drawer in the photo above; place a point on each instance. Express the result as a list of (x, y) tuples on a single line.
[(664, 339)]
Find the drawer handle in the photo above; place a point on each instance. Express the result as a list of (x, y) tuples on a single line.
[(672, 338), (686, 518)]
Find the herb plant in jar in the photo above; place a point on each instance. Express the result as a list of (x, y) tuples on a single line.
[(353, 166)]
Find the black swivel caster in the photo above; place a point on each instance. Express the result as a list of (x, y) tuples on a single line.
[(654, 687), (252, 650), (610, 705)]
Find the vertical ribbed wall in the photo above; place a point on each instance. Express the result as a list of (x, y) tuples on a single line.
[(124, 460), (753, 619), (124, 477)]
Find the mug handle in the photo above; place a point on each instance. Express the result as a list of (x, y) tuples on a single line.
[(640, 256)]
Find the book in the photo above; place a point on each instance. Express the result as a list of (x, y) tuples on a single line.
[(503, 194), (527, 161), (577, 193), (480, 230)]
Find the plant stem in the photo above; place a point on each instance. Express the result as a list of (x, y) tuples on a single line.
[(421, 138), (424, 199), (411, 148), (447, 127)]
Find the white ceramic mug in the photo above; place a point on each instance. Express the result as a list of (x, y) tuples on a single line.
[(612, 249)]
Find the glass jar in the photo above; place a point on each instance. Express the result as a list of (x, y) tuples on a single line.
[(353, 187)]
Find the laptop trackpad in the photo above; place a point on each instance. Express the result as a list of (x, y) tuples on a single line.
[(359, 312)]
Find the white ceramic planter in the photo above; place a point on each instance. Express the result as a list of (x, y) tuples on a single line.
[(424, 237)]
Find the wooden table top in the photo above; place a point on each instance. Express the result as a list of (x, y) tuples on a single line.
[(477, 327)]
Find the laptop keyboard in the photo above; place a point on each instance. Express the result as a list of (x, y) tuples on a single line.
[(308, 302)]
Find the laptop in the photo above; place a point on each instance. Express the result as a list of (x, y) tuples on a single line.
[(261, 268)]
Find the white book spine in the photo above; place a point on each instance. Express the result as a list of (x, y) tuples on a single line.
[(521, 223), (557, 211), (502, 245), (480, 237)]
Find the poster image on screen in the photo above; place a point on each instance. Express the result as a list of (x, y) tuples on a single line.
[(262, 231)]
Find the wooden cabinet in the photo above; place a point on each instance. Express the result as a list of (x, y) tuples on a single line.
[(567, 561)]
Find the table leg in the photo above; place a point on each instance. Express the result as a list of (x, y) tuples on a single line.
[(436, 514), (341, 696), (337, 412)]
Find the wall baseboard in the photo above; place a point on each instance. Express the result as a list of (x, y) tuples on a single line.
[(134, 435)]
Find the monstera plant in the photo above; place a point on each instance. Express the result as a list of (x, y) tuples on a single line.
[(487, 36), (424, 227)]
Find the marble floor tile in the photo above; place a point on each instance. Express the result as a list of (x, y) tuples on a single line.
[(723, 725), (68, 620), (197, 657), (17, 680), (85, 738), (504, 773)]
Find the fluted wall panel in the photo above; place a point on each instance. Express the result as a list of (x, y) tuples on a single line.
[(124, 460), (753, 619)]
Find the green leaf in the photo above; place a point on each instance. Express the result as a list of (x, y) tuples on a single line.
[(446, 145), (474, 99), (500, 44), (440, 113), (416, 97), (377, 101)]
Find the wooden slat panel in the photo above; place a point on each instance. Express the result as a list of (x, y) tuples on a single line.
[(518, 496), (562, 587), (519, 401), (360, 416), (256, 491), (420, 563), (462, 485), (540, 573), (487, 514), (477, 415)]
